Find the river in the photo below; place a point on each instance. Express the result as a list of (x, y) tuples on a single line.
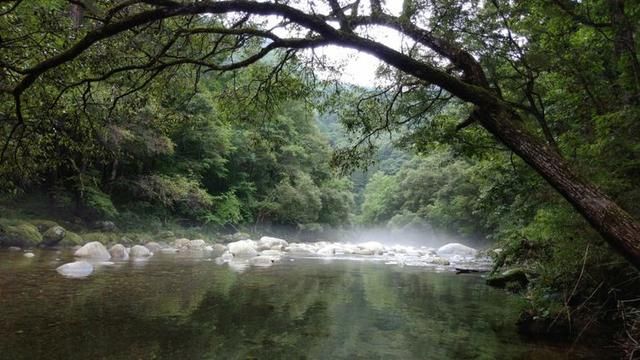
[(187, 307)]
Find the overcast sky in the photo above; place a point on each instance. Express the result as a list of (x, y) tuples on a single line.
[(360, 68)]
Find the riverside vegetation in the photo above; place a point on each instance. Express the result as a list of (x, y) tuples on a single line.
[(503, 124)]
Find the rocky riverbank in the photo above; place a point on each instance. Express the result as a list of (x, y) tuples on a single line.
[(103, 244)]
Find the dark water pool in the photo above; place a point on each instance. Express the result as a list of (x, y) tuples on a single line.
[(173, 307)]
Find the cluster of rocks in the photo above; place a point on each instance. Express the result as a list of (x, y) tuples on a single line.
[(35, 233), (95, 253), (240, 254), (269, 250)]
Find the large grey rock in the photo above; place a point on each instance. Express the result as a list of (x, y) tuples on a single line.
[(29, 254), (139, 251), (93, 250), (118, 251), (153, 246), (54, 235), (271, 243), (77, 269), (243, 248), (182, 244), (452, 249), (197, 244)]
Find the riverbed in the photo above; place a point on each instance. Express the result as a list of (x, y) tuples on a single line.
[(188, 307)]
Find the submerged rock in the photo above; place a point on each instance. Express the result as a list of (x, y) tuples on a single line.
[(14, 248), (118, 251), (139, 251), (29, 254), (436, 260), (263, 261), (243, 248), (224, 258), (77, 269), (94, 250), (453, 249), (168, 250)]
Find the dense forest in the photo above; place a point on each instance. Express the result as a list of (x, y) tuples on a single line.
[(504, 124)]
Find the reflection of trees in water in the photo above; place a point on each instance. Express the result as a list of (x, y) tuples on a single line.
[(304, 309)]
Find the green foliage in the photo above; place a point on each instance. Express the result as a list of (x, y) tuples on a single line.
[(100, 203)]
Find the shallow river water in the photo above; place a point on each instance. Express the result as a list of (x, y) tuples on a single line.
[(181, 307)]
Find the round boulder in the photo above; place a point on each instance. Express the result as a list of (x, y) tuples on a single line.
[(243, 248), (94, 250), (452, 249), (153, 246), (139, 251), (118, 251), (54, 235)]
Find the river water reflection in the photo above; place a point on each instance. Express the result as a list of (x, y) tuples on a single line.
[(177, 307)]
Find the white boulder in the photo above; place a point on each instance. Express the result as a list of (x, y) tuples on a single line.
[(29, 254), (118, 251), (370, 248), (243, 248), (453, 249), (94, 250), (301, 249), (271, 243), (77, 269)]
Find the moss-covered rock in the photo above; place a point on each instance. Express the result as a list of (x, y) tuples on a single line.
[(516, 277), (21, 234), (71, 239), (53, 236), (43, 225)]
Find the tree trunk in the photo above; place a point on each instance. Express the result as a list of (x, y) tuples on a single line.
[(617, 227)]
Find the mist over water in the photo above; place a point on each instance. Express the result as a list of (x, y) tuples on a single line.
[(418, 236)]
